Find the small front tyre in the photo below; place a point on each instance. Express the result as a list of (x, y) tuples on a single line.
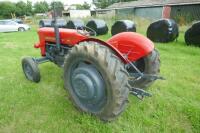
[(30, 69)]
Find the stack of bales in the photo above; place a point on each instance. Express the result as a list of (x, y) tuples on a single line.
[(192, 35), (98, 25), (123, 26), (50, 23), (75, 24), (164, 30)]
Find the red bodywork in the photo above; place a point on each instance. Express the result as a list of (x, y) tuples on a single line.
[(126, 44)]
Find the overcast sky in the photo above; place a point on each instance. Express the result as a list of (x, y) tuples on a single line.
[(66, 2)]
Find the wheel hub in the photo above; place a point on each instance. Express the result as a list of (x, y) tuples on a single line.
[(88, 84), (84, 87), (28, 71)]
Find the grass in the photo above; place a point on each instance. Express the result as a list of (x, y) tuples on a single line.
[(45, 107)]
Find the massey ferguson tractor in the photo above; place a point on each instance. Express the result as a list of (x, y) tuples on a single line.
[(98, 75)]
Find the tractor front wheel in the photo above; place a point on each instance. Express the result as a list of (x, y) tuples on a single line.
[(31, 69), (96, 80)]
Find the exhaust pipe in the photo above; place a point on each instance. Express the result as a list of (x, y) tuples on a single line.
[(56, 29)]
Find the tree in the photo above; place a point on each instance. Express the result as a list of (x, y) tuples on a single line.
[(29, 8), (20, 8), (127, 0), (23, 8), (106, 3), (7, 9), (57, 4), (85, 6), (102, 3), (41, 7)]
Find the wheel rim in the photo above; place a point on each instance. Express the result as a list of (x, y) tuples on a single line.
[(87, 87), (28, 71), (21, 29)]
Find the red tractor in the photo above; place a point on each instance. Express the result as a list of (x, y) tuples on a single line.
[(98, 75)]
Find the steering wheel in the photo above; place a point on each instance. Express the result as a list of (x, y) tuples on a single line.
[(86, 31)]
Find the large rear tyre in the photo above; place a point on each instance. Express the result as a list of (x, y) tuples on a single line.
[(96, 80), (30, 69), (147, 65)]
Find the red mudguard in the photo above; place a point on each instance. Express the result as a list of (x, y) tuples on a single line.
[(128, 45), (132, 45)]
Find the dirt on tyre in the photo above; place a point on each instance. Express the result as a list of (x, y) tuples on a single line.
[(96, 80), (30, 69), (147, 65)]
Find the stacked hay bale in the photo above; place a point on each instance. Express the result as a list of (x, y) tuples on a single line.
[(98, 25), (164, 30), (50, 23), (61, 23), (45, 23), (123, 26), (192, 35), (75, 24)]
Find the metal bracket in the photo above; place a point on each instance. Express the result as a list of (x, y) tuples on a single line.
[(41, 60), (140, 75), (140, 93), (148, 76), (153, 77)]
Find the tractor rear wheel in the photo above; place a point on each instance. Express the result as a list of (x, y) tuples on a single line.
[(147, 65), (96, 80)]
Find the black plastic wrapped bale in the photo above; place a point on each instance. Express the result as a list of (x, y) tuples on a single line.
[(98, 25), (192, 35), (164, 30), (123, 26), (60, 22), (45, 23), (75, 24)]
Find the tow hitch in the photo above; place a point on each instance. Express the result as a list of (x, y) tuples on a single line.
[(140, 93)]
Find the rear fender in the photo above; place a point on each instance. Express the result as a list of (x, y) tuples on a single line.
[(131, 45), (115, 50)]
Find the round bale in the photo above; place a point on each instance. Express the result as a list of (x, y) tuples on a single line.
[(164, 30), (45, 23), (123, 26), (75, 24), (60, 22), (192, 35), (98, 25)]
